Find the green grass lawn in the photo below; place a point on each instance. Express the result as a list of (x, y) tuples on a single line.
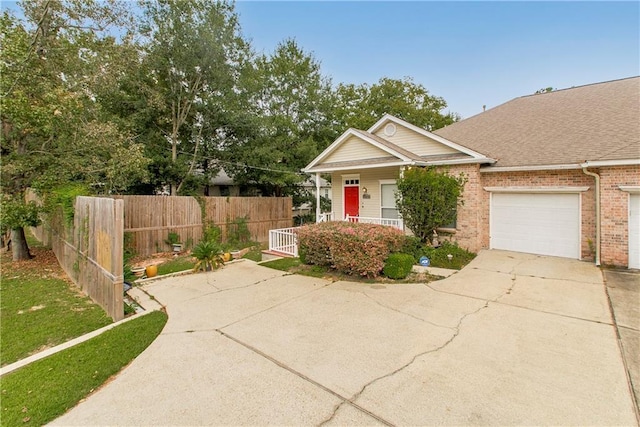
[(39, 308), (42, 391), (175, 265)]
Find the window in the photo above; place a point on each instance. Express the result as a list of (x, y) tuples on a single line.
[(351, 182), (388, 200)]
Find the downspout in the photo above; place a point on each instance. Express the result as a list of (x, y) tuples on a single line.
[(318, 210), (597, 178)]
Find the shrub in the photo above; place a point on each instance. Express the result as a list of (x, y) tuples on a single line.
[(413, 246), (438, 256), (208, 254), (351, 248), (398, 266), (428, 198)]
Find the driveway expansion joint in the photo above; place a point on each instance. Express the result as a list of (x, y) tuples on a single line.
[(307, 379)]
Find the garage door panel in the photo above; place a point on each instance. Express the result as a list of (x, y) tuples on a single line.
[(546, 224)]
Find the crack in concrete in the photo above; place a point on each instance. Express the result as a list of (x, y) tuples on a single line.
[(305, 378), (412, 361), (333, 414), (445, 344), (404, 313), (219, 290), (275, 305)]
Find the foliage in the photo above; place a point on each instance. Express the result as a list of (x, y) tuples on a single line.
[(15, 213), (428, 199), (292, 104), (63, 197), (360, 106), (173, 238), (439, 256), (44, 390), (195, 56), (208, 255), (238, 234), (39, 310), (351, 248), (398, 266), (212, 234)]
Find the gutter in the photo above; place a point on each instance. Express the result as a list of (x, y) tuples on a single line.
[(585, 165)]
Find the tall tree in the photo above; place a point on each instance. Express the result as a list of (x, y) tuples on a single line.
[(195, 57), (294, 105), (360, 106), (53, 128)]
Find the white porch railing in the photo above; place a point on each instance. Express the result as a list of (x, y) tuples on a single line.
[(325, 217), (397, 223), (283, 240)]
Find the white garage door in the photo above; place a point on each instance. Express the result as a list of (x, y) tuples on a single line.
[(545, 224), (634, 231)]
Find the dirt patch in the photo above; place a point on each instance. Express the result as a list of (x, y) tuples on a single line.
[(154, 259)]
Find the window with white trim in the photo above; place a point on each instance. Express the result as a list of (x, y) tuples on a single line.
[(388, 208)]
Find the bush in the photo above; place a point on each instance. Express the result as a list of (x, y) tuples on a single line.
[(438, 256), (351, 248), (413, 246), (398, 266)]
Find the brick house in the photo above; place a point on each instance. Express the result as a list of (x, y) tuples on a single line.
[(556, 173)]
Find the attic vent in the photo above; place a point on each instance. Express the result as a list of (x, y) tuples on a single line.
[(390, 129)]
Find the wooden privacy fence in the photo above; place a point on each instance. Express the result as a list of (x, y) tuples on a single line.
[(90, 249), (150, 219)]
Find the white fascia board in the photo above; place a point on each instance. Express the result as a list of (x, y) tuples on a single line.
[(456, 162), (353, 132), (557, 189), (358, 167), (529, 168), (601, 163), (426, 133), (329, 149)]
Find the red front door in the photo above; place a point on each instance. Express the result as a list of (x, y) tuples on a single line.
[(351, 201)]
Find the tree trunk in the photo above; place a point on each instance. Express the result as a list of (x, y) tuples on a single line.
[(19, 245)]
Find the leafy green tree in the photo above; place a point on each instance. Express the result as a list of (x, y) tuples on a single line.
[(293, 103), (195, 57), (54, 129), (360, 106), (428, 199)]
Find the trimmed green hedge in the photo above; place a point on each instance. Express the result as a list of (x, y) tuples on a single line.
[(351, 248), (398, 266)]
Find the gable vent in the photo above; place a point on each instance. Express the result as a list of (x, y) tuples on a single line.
[(390, 129)]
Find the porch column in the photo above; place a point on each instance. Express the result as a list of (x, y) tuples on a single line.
[(318, 210)]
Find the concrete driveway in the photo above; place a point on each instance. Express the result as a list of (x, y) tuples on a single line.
[(512, 339)]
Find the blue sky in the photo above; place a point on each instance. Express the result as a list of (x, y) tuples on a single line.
[(470, 53)]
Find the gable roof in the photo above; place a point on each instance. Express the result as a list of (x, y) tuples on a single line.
[(593, 123), (394, 154)]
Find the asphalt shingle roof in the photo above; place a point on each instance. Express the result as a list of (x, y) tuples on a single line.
[(587, 123)]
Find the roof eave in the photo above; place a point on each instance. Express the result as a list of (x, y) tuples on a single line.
[(320, 169)]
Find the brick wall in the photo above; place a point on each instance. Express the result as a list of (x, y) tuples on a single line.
[(615, 213), (559, 178), (470, 223)]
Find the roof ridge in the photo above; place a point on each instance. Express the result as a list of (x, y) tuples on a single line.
[(574, 87)]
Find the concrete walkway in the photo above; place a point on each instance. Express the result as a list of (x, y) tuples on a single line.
[(512, 339)]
